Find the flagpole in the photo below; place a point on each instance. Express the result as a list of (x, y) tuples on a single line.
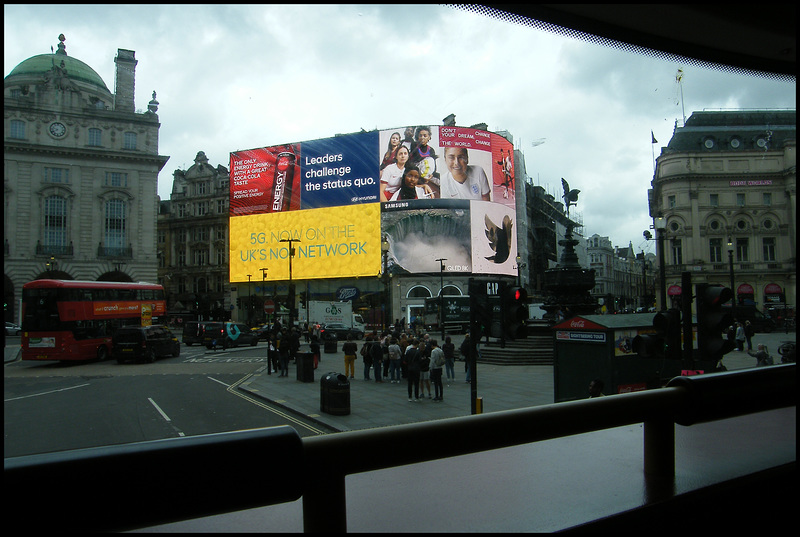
[(653, 142)]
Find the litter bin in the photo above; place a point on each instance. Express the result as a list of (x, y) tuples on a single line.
[(330, 345), (305, 367), (334, 394)]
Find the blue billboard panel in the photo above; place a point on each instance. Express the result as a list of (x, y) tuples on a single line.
[(339, 171)]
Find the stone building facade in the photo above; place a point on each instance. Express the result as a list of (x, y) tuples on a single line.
[(80, 174), (727, 187), (193, 242), (625, 280)]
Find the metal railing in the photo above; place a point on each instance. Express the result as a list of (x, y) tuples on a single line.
[(151, 483)]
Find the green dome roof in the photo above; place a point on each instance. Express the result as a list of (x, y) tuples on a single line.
[(76, 70)]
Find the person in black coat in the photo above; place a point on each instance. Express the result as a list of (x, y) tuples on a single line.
[(413, 361)]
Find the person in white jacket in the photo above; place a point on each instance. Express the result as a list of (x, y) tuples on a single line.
[(437, 362)]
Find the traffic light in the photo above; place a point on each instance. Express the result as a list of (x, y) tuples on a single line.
[(712, 321), (480, 309), (515, 313), (666, 341), (670, 322)]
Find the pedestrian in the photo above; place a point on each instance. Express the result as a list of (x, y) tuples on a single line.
[(284, 345), (376, 351), (366, 356), (272, 354), (385, 349), (465, 351), (313, 347), (749, 332), (449, 350), (350, 348), (740, 337), (762, 356), (412, 360), (424, 369), (437, 362), (596, 388), (403, 342), (294, 343), (394, 361), (403, 349)]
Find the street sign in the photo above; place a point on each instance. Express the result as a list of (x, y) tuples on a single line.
[(269, 306)]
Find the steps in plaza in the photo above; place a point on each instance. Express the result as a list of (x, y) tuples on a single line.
[(536, 349)]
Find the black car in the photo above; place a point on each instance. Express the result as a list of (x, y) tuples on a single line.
[(192, 332), (263, 332), (339, 332), (144, 343), (228, 335)]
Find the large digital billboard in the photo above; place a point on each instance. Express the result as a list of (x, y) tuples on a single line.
[(432, 192)]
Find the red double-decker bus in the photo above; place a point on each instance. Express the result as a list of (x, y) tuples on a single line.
[(74, 320)]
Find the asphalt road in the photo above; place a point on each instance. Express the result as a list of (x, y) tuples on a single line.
[(50, 406)]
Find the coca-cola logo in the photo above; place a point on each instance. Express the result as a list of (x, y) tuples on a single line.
[(577, 323)]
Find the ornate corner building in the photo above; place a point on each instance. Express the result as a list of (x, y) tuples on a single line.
[(80, 174), (727, 186), (193, 242)]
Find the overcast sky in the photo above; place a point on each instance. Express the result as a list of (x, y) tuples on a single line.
[(239, 77)]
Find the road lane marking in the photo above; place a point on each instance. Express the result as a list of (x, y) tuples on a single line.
[(166, 418), (216, 380), (45, 393), (233, 389)]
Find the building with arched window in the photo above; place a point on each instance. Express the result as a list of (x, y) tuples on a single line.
[(80, 174), (726, 186), (193, 243)]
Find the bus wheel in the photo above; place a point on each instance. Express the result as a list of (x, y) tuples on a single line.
[(102, 353)]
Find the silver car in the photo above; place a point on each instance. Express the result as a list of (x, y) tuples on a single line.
[(13, 329)]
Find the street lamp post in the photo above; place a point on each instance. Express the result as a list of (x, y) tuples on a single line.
[(520, 266), (730, 267), (249, 301), (661, 228), (441, 294), (264, 289), (291, 285), (387, 310)]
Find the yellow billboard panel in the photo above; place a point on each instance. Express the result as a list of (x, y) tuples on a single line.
[(335, 242)]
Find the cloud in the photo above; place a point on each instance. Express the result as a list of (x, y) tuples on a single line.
[(239, 77)]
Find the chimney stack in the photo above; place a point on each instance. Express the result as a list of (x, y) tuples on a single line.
[(125, 81)]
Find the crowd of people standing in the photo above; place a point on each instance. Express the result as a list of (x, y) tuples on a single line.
[(396, 357), (282, 346)]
